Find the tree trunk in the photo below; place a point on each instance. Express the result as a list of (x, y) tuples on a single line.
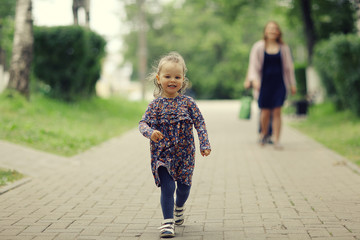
[(3, 58), (22, 48), (357, 6), (85, 4), (308, 27)]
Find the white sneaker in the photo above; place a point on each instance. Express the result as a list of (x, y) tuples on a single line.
[(167, 229), (179, 215)]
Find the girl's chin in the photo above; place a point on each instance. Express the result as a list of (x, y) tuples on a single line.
[(172, 90), (171, 94)]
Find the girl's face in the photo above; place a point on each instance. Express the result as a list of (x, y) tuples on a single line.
[(272, 31), (171, 79)]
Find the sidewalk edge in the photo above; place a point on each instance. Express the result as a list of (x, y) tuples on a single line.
[(14, 185)]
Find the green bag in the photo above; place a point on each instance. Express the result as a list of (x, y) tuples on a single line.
[(245, 109)]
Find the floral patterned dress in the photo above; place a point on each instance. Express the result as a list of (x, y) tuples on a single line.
[(174, 118)]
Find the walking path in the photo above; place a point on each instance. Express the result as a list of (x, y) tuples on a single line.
[(241, 191)]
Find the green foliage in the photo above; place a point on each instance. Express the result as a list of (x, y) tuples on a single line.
[(7, 15), (338, 130), (230, 10), (333, 17), (300, 75), (329, 17), (68, 60), (322, 54), (215, 48), (6, 39), (8, 176), (65, 128), (7, 8), (338, 61)]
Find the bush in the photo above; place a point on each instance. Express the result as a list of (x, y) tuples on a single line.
[(322, 53), (68, 59), (300, 75), (337, 61), (6, 41)]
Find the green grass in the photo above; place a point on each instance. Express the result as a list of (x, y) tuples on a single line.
[(8, 176), (338, 130), (65, 128)]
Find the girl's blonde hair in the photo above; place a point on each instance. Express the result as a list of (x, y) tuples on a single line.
[(174, 57), (279, 39)]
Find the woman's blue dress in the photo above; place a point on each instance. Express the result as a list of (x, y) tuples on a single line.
[(272, 90)]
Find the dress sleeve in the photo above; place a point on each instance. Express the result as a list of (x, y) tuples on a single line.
[(145, 123), (199, 124)]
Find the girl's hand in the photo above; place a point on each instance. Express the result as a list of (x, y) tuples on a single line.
[(247, 84), (293, 90), (205, 152), (156, 136), (256, 84)]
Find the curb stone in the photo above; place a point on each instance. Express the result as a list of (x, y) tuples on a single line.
[(14, 185)]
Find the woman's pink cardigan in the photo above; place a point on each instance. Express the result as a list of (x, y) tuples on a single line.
[(257, 59)]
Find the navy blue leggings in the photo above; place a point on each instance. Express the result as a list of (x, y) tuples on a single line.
[(167, 193)]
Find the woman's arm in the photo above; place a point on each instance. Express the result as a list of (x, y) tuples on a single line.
[(255, 64), (289, 72)]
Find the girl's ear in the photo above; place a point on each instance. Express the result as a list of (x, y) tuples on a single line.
[(158, 78)]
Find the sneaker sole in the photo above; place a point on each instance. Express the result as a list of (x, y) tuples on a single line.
[(170, 235), (179, 222)]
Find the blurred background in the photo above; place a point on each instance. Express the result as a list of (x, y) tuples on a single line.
[(77, 58), (214, 36)]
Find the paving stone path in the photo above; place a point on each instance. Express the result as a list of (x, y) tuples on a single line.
[(241, 191)]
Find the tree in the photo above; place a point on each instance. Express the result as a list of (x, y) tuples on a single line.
[(85, 4), (215, 47), (357, 7), (309, 29), (142, 46), (321, 19), (22, 48)]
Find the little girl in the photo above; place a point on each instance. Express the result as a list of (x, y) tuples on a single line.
[(168, 123)]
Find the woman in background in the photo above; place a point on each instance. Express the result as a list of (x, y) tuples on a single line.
[(271, 73)]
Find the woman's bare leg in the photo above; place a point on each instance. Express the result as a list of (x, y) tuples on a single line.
[(276, 124), (264, 120)]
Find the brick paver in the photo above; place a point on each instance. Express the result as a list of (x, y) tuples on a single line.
[(241, 191)]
